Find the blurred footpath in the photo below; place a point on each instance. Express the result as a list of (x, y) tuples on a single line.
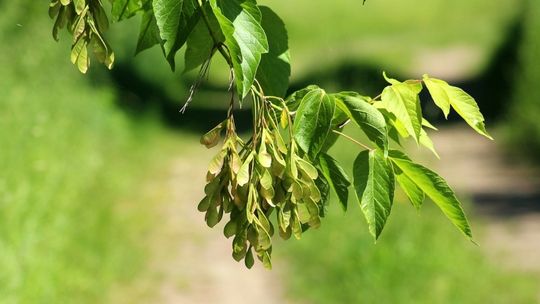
[(504, 190)]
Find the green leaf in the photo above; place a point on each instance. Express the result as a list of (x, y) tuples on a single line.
[(464, 104), (336, 178), (124, 9), (368, 118), (149, 32), (426, 142), (200, 44), (427, 124), (175, 20), (274, 69), (293, 100), (467, 108), (240, 22), (435, 187), (415, 194), (401, 99), (338, 122), (437, 91), (324, 189), (390, 80), (374, 184), (313, 121)]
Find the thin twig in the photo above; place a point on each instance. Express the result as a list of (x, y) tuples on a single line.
[(353, 140), (193, 89)]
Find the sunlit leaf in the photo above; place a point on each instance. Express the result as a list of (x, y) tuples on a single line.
[(401, 99), (435, 187)]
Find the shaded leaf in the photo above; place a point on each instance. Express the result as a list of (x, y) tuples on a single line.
[(275, 69), (313, 121), (200, 43), (368, 118), (374, 184), (148, 33), (123, 9), (336, 177), (426, 142), (175, 20)]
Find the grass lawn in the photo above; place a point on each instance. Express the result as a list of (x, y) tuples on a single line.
[(70, 159)]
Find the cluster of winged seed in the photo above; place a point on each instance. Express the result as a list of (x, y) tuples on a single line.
[(86, 20), (251, 181)]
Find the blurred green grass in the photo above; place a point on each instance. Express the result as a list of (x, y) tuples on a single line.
[(70, 222)]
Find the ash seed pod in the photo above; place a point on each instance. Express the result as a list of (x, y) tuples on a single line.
[(216, 164), (239, 247), (212, 137), (265, 159), (212, 217), (234, 162), (204, 204), (230, 228), (243, 175), (249, 261), (284, 119), (308, 169)]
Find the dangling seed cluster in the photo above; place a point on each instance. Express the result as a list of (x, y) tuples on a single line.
[(252, 180)]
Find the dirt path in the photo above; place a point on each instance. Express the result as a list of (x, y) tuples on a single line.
[(505, 193), (189, 262)]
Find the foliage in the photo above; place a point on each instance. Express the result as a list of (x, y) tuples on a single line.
[(284, 167)]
